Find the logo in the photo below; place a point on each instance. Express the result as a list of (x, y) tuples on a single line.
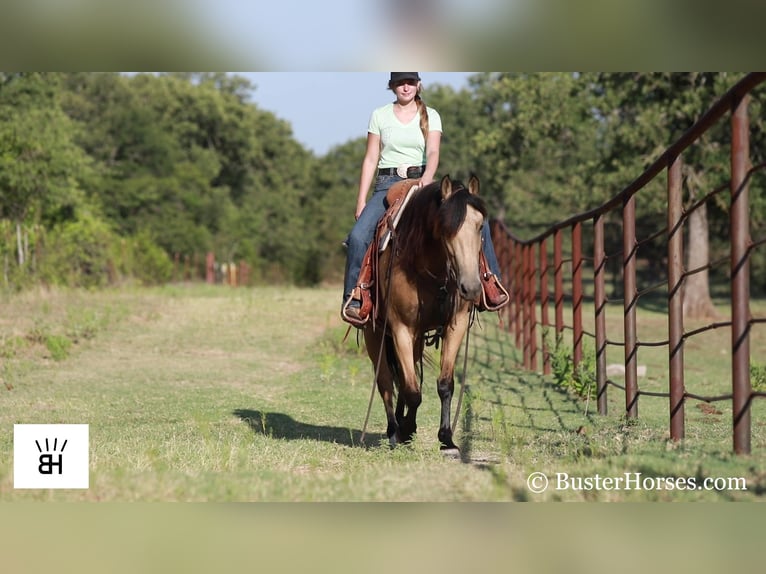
[(50, 456), (46, 460)]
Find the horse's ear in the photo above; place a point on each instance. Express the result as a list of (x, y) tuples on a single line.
[(473, 185), (446, 187)]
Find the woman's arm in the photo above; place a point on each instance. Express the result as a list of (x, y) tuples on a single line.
[(432, 157), (369, 165)]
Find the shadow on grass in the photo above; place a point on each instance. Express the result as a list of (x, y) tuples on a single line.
[(280, 425)]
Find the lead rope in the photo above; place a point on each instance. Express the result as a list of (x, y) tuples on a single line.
[(465, 369)]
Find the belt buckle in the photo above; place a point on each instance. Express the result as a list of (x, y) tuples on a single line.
[(401, 170)]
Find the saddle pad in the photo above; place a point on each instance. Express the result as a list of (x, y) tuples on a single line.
[(395, 212)]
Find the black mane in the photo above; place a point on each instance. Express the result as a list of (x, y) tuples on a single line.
[(427, 219)]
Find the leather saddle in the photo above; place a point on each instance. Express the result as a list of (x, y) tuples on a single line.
[(396, 198), (494, 294)]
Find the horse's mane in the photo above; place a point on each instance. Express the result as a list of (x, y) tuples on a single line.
[(427, 219)]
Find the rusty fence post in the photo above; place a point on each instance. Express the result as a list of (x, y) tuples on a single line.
[(599, 303), (244, 273), (526, 305), (577, 294), (558, 281), (532, 308), (210, 268), (675, 300), (501, 240), (511, 261), (544, 319), (518, 255), (629, 250), (508, 255), (739, 230)]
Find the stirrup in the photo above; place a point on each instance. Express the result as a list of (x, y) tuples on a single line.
[(498, 296), (356, 322)]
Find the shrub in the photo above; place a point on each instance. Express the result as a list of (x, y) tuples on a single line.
[(78, 253), (758, 377), (58, 346), (146, 261), (581, 380)]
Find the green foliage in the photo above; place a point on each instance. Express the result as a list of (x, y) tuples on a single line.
[(758, 376), (39, 161), (139, 256), (58, 346), (185, 163), (79, 253), (582, 379)]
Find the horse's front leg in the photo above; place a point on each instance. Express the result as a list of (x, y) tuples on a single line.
[(384, 380), (409, 387), (445, 385)]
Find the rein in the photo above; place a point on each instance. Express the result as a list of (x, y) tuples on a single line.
[(393, 240), (465, 370)]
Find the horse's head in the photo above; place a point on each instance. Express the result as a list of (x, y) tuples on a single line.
[(461, 217)]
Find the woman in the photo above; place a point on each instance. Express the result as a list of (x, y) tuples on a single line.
[(403, 140)]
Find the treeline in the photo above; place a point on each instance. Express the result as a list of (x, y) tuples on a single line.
[(106, 177)]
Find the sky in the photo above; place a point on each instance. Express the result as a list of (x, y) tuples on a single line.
[(360, 35), (349, 34), (327, 109)]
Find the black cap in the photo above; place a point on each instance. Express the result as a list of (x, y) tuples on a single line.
[(400, 76)]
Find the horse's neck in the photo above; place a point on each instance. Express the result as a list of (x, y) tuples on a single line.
[(432, 264)]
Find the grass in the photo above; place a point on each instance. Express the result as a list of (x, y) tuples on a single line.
[(199, 393)]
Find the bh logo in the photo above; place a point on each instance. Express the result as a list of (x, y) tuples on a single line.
[(50, 456), (46, 459)]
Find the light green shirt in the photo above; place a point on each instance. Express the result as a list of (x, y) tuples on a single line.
[(401, 143)]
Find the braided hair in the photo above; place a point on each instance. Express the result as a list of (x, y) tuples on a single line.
[(423, 115)]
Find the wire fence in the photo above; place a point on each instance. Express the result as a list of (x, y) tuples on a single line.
[(529, 273)]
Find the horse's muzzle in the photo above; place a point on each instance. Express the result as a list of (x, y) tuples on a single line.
[(470, 290)]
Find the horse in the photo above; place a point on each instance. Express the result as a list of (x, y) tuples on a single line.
[(428, 280)]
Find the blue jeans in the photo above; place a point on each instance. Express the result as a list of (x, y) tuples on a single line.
[(363, 233)]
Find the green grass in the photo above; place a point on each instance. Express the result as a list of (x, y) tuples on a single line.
[(215, 394)]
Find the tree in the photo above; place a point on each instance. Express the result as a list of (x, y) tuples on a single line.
[(555, 145), (39, 162), (644, 113), (188, 159), (537, 146)]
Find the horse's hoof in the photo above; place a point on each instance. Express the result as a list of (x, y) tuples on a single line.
[(450, 451)]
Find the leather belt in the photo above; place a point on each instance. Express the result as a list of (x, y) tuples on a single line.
[(413, 171)]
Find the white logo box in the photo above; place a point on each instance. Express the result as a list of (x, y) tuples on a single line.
[(51, 456)]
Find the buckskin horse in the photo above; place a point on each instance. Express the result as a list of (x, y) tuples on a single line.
[(428, 281)]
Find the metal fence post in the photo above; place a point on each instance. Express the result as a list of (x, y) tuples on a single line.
[(599, 268), (629, 248), (740, 276), (675, 300)]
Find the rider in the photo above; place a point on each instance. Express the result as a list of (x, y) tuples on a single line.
[(403, 140)]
